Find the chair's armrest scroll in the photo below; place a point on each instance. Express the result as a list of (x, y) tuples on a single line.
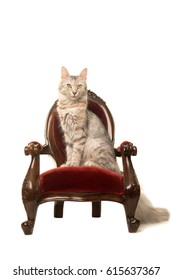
[(30, 184), (34, 148), (127, 150)]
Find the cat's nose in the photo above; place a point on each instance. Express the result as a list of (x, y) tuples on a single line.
[(74, 93)]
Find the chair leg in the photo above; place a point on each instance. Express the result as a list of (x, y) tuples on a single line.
[(96, 209), (130, 206), (31, 210), (58, 209)]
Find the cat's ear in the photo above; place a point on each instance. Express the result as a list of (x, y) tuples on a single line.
[(64, 73), (83, 74)]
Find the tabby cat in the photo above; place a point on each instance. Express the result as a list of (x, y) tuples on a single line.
[(87, 141)]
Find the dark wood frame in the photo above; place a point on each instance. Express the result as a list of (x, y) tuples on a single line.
[(32, 198)]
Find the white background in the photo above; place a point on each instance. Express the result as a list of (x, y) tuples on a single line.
[(127, 47)]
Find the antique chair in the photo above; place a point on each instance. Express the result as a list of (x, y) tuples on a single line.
[(79, 183)]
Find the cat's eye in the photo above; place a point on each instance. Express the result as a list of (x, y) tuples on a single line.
[(68, 85), (80, 85)]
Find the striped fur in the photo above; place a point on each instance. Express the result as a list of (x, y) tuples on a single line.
[(87, 141)]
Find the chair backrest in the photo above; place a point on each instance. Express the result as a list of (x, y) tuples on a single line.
[(54, 133)]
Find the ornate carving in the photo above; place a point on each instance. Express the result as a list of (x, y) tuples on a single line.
[(33, 148), (25, 194), (128, 149), (95, 97), (29, 190)]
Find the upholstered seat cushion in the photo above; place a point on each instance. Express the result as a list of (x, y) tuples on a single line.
[(81, 179)]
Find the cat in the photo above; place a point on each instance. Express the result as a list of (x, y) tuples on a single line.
[(87, 141)]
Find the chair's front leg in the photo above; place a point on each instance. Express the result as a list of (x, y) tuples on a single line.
[(132, 195), (132, 187), (30, 190)]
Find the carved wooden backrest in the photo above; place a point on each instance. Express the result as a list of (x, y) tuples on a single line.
[(54, 134)]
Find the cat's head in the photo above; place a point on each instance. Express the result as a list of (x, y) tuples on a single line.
[(73, 87)]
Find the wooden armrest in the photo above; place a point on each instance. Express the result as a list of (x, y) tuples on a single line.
[(127, 149), (34, 148)]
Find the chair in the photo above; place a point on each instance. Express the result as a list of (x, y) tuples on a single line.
[(78, 183)]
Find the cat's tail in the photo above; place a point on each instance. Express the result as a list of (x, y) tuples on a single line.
[(146, 213)]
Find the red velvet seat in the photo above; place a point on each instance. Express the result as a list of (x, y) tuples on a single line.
[(78, 183), (81, 179)]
